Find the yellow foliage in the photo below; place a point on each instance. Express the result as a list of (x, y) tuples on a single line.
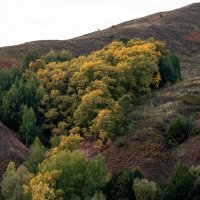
[(71, 142), (41, 187), (157, 80), (77, 90)]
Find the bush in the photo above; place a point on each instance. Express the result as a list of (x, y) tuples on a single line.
[(98, 196), (144, 189), (121, 141), (182, 183), (179, 130), (169, 68), (120, 185)]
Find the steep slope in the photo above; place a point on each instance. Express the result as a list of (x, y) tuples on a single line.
[(179, 28), (145, 147), (11, 149)]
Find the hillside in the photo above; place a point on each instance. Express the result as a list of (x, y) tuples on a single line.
[(144, 146), (180, 29), (11, 148)]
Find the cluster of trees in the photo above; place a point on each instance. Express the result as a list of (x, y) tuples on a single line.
[(20, 96), (62, 172), (52, 56), (62, 99), (89, 95), (92, 95), (185, 183)]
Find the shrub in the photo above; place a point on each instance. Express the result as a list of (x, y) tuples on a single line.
[(169, 68), (181, 183), (121, 141), (120, 185), (98, 196), (179, 129), (144, 189)]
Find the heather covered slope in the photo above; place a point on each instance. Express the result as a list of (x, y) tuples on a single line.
[(11, 149), (179, 28), (145, 146)]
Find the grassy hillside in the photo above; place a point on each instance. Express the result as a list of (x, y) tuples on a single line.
[(145, 146)]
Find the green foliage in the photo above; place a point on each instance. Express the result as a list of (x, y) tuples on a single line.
[(95, 175), (79, 92), (182, 183), (55, 56), (124, 40), (32, 55), (13, 181), (195, 172), (42, 187), (179, 130), (22, 90), (169, 67), (38, 64), (144, 189), (36, 156), (77, 176), (121, 141), (28, 128), (120, 185), (98, 196), (11, 104), (7, 78)]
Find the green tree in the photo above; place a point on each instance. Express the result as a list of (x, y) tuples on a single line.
[(144, 189), (32, 55), (120, 185), (169, 67), (178, 130), (7, 78), (43, 187), (13, 181), (195, 172), (78, 177), (182, 183), (98, 196), (95, 175), (36, 156), (11, 104), (28, 128)]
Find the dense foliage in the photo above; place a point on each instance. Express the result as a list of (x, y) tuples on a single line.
[(62, 100), (92, 95), (120, 185), (179, 129), (13, 181), (145, 189), (64, 173), (184, 183)]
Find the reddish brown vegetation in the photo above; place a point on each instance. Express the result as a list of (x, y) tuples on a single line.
[(193, 37), (11, 149), (7, 64)]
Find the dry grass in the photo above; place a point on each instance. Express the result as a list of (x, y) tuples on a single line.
[(146, 147)]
